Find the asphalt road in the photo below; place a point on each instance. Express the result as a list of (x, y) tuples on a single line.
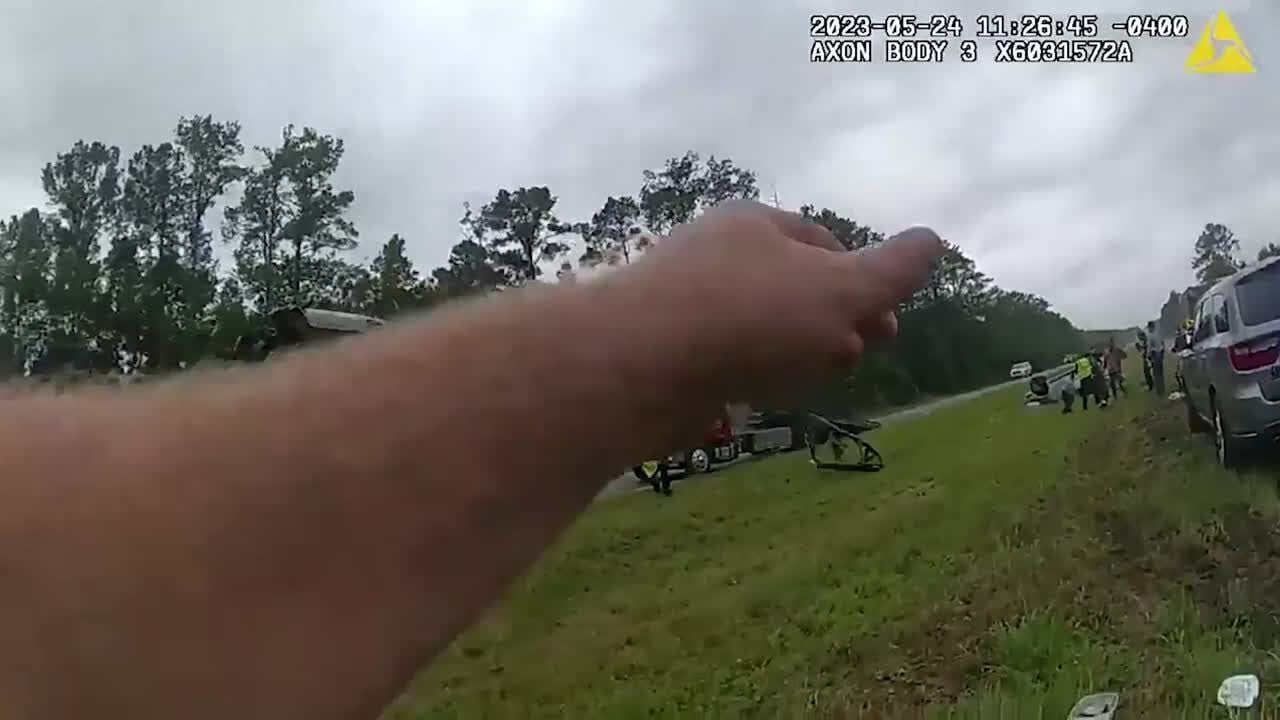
[(627, 482)]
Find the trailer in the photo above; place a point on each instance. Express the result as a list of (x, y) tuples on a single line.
[(769, 431), (767, 440)]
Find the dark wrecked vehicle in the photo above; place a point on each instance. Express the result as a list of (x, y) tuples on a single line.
[(296, 326)]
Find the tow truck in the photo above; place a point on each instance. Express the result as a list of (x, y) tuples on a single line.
[(719, 446), (771, 431), (765, 432)]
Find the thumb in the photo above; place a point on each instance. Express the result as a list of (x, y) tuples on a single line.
[(889, 273)]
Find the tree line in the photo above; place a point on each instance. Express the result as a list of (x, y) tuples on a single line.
[(1215, 255), (118, 272)]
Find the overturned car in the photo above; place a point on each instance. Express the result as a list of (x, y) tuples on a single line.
[(295, 326)]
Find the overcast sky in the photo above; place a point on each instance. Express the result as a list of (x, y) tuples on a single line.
[(1085, 184)]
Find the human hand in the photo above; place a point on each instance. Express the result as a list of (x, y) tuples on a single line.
[(763, 301)]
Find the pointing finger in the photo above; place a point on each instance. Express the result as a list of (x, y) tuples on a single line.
[(882, 328), (889, 273)]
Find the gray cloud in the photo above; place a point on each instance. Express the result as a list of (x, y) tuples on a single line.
[(1084, 183)]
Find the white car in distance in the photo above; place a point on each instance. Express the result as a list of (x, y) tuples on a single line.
[(1020, 370)]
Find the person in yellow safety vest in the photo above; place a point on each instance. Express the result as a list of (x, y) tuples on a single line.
[(1084, 374), (656, 473)]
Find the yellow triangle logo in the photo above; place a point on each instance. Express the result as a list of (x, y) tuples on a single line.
[(1220, 50)]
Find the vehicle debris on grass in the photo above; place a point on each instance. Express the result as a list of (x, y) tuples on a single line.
[(1080, 554)]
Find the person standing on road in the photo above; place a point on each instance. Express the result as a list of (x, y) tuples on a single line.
[(1114, 362), (662, 482), (661, 479), (280, 542), (657, 474)]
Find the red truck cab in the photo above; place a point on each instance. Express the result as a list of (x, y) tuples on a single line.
[(719, 445)]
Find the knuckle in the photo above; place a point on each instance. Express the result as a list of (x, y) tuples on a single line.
[(820, 232), (848, 352), (737, 204)]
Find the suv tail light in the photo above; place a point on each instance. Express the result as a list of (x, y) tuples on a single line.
[(1246, 357)]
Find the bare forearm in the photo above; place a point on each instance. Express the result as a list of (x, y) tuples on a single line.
[(247, 554)]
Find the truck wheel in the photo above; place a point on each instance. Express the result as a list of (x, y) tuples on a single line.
[(699, 461)]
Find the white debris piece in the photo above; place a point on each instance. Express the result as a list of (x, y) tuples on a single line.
[(1238, 691), (1099, 706)]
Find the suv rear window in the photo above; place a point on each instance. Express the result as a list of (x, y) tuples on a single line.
[(1259, 296)]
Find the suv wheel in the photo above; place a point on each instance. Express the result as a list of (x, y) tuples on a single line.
[(1228, 449), (699, 461)]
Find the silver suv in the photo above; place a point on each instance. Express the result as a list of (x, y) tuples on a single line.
[(1230, 370)]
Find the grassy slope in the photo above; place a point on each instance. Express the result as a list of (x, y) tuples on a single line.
[(1005, 562)]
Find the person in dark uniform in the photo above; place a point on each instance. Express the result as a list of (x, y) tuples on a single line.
[(662, 480), (1155, 351), (1143, 347), (657, 474), (1100, 391)]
